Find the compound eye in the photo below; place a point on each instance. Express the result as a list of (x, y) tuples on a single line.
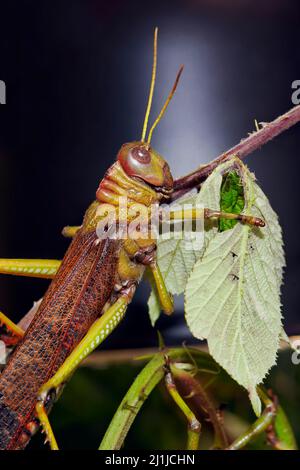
[(141, 154)]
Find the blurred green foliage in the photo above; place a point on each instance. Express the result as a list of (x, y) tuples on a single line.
[(83, 413)]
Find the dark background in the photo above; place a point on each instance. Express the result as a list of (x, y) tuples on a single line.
[(77, 76)]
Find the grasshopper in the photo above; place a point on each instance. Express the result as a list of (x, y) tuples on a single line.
[(90, 289)]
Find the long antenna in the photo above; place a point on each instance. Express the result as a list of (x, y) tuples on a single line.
[(151, 86), (171, 94)]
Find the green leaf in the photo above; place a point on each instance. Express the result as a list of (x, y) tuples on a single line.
[(231, 199), (232, 297), (176, 258)]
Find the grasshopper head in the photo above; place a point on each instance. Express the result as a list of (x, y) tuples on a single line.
[(139, 160)]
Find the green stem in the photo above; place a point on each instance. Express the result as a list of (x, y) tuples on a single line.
[(131, 404), (194, 426), (141, 388), (274, 422), (280, 435), (259, 426), (198, 399)]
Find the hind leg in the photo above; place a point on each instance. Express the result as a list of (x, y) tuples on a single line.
[(98, 332), (10, 333)]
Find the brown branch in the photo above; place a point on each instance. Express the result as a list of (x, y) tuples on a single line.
[(98, 358), (242, 149)]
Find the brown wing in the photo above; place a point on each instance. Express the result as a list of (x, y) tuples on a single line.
[(73, 301)]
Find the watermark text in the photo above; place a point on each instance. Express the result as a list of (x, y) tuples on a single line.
[(296, 93), (137, 221), (2, 92)]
